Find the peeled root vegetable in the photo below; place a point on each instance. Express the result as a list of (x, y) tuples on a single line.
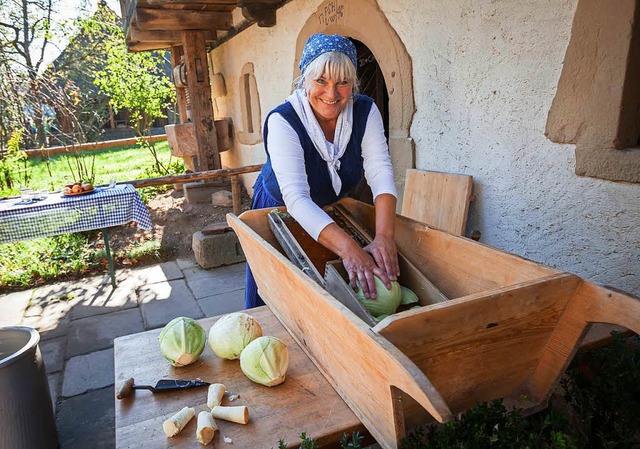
[(206, 428), (215, 394), (176, 423), (238, 414)]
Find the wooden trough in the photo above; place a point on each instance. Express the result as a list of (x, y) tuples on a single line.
[(509, 329)]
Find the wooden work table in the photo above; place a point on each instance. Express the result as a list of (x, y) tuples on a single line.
[(305, 402)]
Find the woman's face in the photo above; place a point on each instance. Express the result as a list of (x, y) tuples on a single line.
[(328, 97)]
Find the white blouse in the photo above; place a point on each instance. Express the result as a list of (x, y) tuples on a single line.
[(287, 160)]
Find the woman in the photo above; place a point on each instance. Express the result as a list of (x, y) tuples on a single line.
[(319, 144)]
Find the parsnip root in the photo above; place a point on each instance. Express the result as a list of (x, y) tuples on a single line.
[(214, 397), (176, 423), (206, 428), (238, 414)]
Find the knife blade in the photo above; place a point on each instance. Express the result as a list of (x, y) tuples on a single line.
[(126, 388)]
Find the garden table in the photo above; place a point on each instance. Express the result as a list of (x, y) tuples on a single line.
[(305, 402), (58, 214)]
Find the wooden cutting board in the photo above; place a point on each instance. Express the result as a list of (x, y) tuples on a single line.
[(305, 402)]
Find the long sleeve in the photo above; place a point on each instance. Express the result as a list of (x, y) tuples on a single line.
[(375, 153)]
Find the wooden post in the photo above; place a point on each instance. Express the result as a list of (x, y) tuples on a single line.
[(181, 97), (235, 194), (193, 44)]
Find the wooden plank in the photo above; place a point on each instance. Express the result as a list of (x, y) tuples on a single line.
[(484, 346), (305, 402), (361, 365), (91, 146), (221, 3), (196, 60), (198, 176), (438, 199), (590, 304), (457, 266), (181, 20)]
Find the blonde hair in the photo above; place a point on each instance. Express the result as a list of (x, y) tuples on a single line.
[(332, 65)]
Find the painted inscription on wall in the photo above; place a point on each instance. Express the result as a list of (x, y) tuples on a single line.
[(331, 12)]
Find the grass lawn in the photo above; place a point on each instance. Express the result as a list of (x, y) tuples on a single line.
[(122, 163), (32, 262)]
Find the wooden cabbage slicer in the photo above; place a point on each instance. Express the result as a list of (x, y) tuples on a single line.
[(509, 329)]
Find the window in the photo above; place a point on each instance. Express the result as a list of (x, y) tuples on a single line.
[(597, 105), (250, 107)]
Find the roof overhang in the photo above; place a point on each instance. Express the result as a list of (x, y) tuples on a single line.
[(158, 24)]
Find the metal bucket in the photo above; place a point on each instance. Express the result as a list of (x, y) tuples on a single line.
[(26, 412)]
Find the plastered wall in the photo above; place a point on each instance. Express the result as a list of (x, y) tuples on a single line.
[(484, 76)]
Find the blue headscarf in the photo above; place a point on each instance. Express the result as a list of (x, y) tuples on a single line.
[(318, 44)]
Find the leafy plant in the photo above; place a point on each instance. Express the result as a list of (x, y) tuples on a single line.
[(493, 425), (602, 389), (13, 162), (353, 442)]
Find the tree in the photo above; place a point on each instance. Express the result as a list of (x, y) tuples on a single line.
[(137, 82)]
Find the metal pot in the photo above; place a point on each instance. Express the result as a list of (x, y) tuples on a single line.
[(26, 412)]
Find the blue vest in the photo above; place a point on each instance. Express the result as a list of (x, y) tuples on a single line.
[(351, 169)]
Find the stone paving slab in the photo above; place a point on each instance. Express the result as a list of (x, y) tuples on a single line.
[(49, 326), (205, 283), (163, 272), (224, 303), (183, 264), (97, 332), (88, 372), (53, 353), (58, 298), (87, 421), (105, 299), (162, 302), (12, 307)]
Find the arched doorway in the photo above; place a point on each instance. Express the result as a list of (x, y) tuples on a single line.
[(364, 22)]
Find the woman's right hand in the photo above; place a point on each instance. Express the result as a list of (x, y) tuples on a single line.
[(358, 263), (361, 267)]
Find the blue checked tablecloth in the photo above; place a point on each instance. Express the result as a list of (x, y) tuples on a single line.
[(59, 214)]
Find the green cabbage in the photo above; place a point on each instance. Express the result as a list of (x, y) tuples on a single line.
[(265, 361), (386, 302), (408, 296), (182, 341), (231, 333)]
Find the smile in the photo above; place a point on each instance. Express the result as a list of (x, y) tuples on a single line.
[(328, 102)]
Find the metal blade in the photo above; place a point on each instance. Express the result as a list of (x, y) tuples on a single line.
[(170, 384)]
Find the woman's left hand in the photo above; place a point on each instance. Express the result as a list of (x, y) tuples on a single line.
[(384, 252)]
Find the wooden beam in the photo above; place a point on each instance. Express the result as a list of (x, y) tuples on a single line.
[(228, 3), (198, 176), (195, 53), (148, 46), (137, 35), (181, 97), (181, 20)]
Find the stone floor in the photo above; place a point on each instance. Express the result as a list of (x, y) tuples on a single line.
[(78, 321)]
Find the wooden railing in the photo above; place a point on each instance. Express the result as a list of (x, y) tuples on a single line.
[(92, 146)]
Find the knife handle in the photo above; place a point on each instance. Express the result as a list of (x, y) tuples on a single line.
[(125, 389)]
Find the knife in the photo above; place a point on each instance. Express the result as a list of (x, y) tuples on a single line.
[(126, 388)]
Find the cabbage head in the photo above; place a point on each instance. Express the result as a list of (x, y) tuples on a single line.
[(265, 361), (385, 303), (232, 333), (182, 341)]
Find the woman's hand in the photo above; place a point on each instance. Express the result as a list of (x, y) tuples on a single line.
[(360, 266), (385, 254), (358, 263)]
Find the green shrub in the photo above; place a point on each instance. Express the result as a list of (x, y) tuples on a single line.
[(602, 390)]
